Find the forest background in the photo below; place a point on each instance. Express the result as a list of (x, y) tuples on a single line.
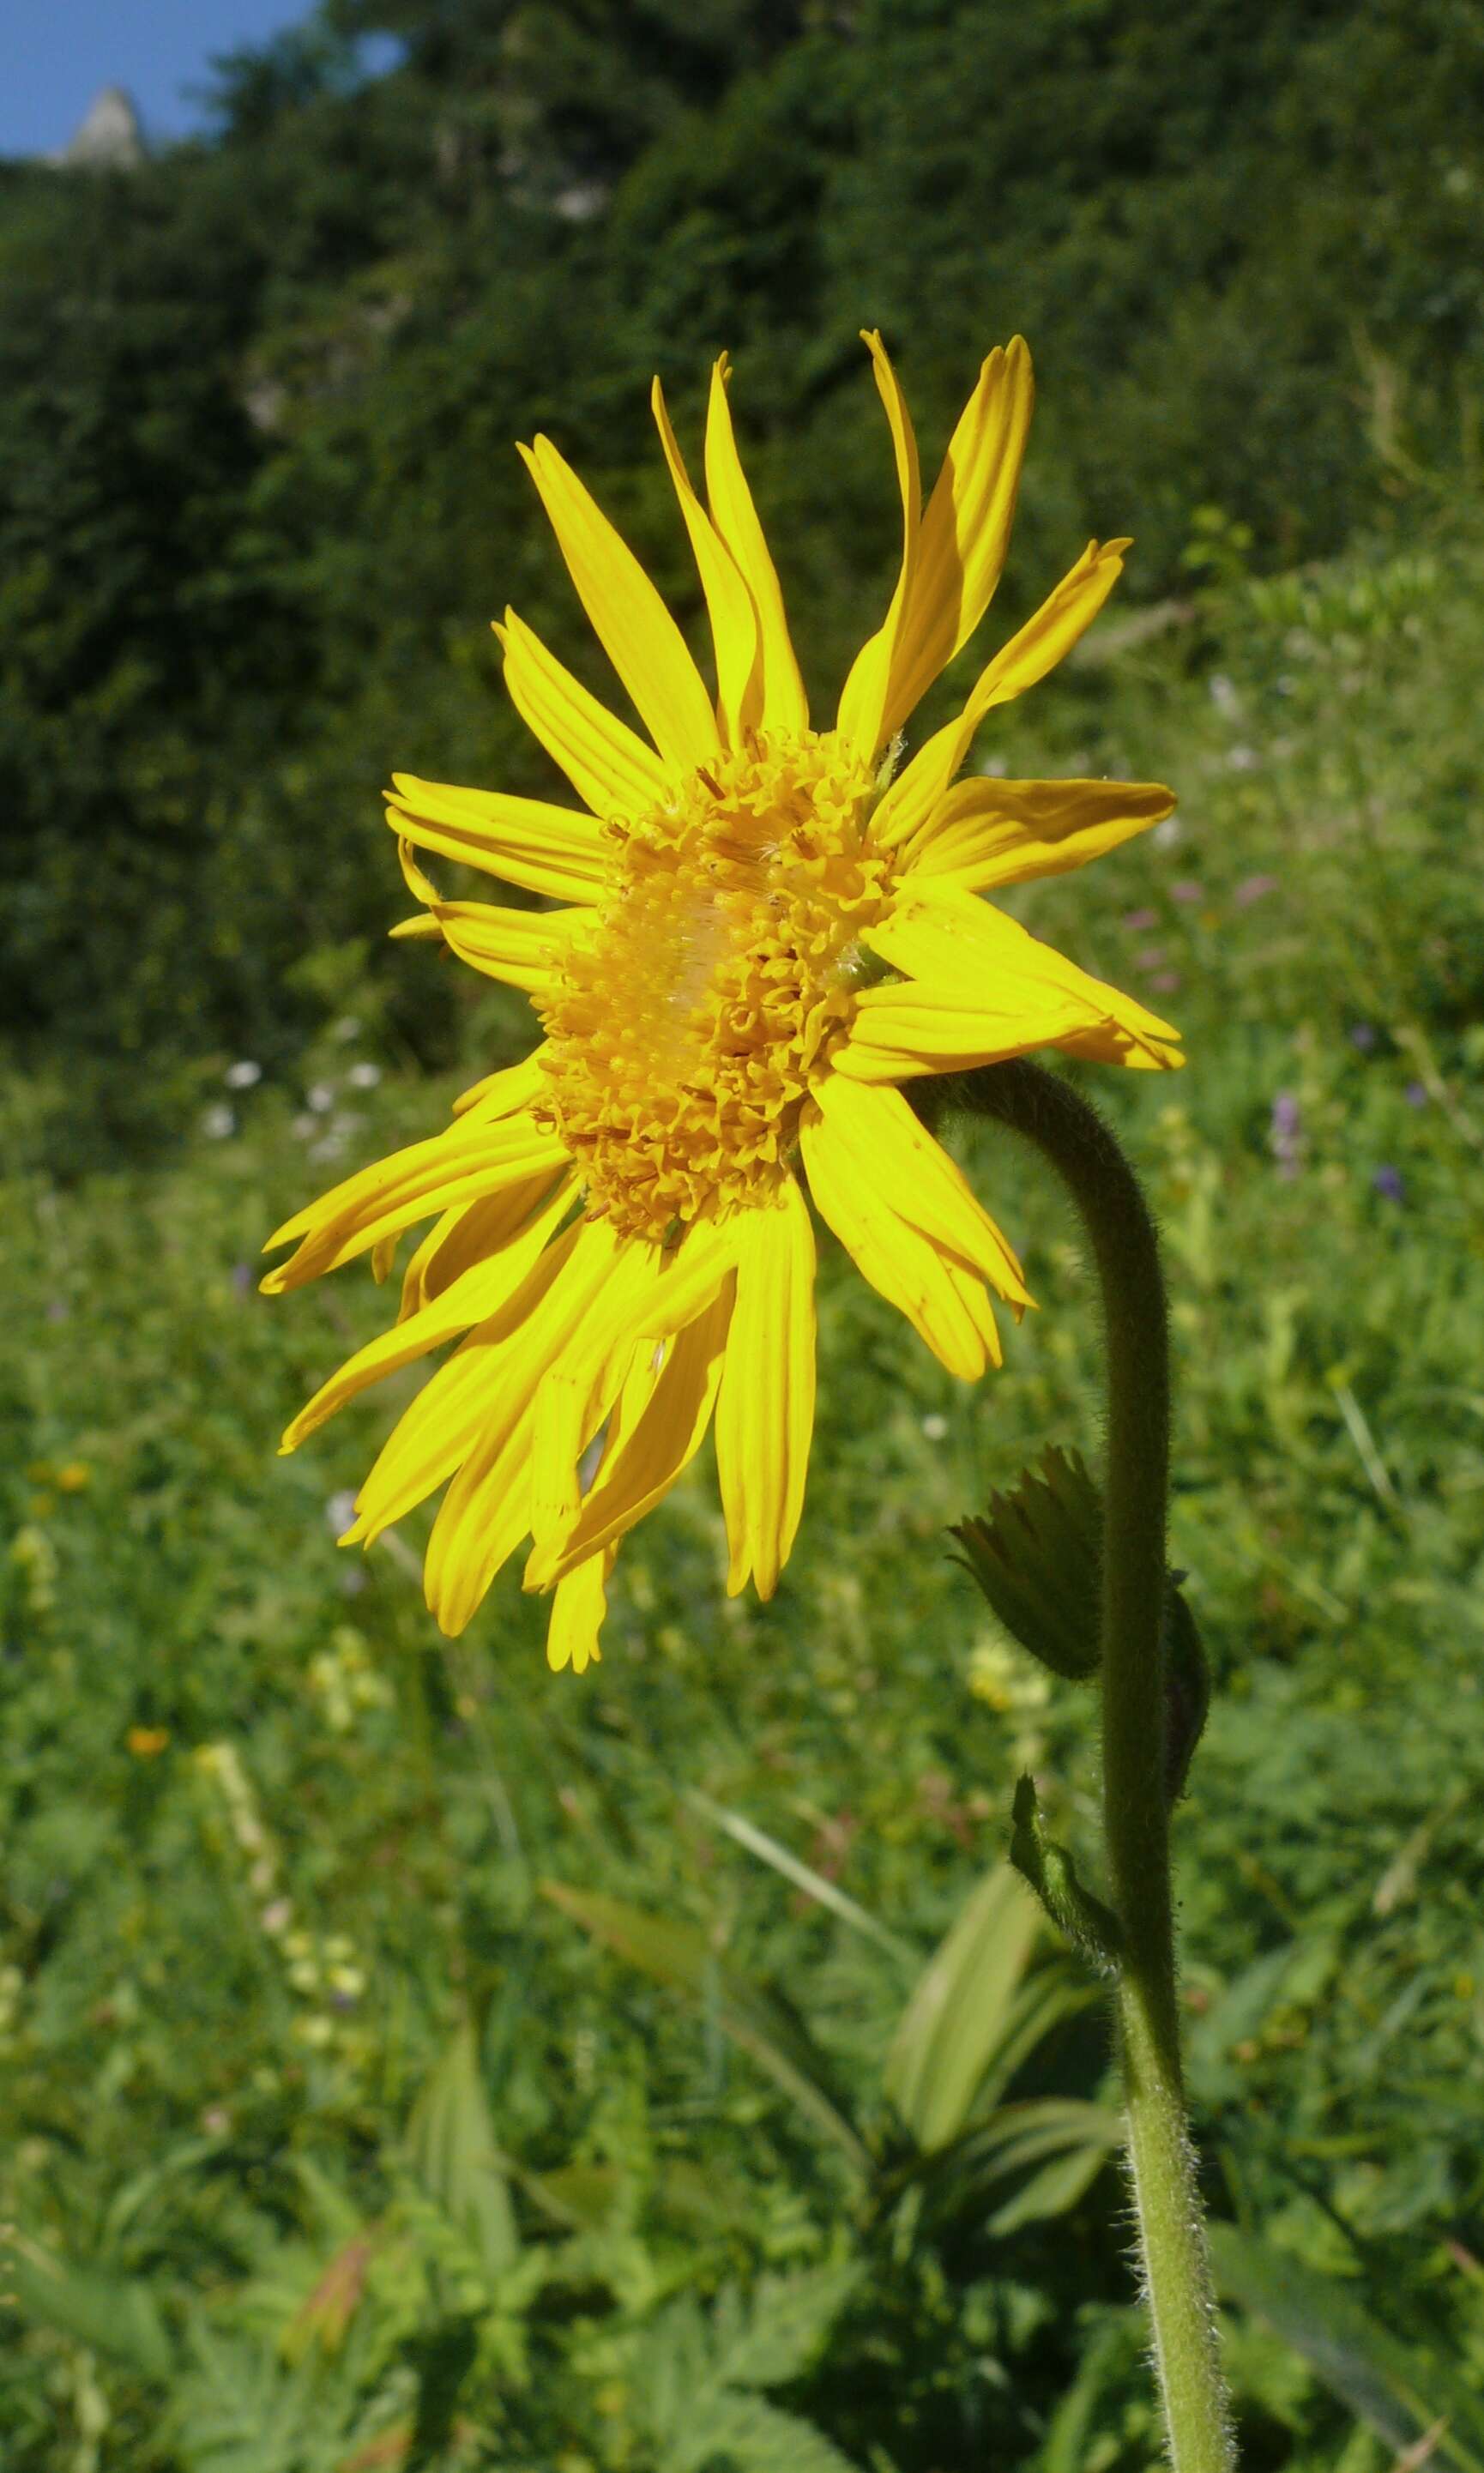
[(346, 2126)]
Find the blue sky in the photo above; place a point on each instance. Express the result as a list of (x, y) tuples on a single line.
[(56, 54)]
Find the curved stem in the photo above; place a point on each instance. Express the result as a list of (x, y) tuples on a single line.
[(1081, 1147)]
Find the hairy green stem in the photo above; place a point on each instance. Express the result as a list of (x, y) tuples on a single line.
[(1080, 1147)]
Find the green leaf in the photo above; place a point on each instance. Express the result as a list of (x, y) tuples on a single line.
[(144, 2185), (1107, 2360), (455, 2156), (750, 2436), (1092, 1928), (117, 2315), (825, 1893), (782, 2328), (582, 2198), (1055, 1990), (757, 2017), (1395, 2389), (1055, 2189), (1042, 2153), (1186, 1688), (963, 2010), (235, 2409)]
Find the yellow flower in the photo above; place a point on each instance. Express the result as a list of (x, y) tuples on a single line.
[(762, 932), (147, 1742)]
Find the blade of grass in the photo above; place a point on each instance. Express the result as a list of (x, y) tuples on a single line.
[(825, 1893)]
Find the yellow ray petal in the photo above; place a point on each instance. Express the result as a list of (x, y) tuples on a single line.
[(476, 1528), (966, 531), (583, 1388), (437, 1175), (914, 1030), (460, 1239), (1110, 1043), (414, 1288), (632, 625), (946, 1303), (503, 1092), (926, 1187), (553, 850), (863, 699), (425, 1446), (784, 705), (523, 949), (646, 1459), (607, 762), (1042, 642), (985, 833), (478, 1295), (576, 1613), (953, 942), (728, 600), (653, 1296), (690, 1276), (765, 1414), (436, 1434), (973, 1301), (419, 883)]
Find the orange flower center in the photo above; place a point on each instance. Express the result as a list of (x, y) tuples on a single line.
[(715, 982)]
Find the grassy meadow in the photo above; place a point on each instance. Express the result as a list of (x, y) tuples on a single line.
[(412, 2059)]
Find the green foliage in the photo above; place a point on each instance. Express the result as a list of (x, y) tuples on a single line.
[(1407, 2398), (257, 496), (455, 2156), (962, 2013), (273, 1846), (253, 2123), (974, 2022), (756, 2016)]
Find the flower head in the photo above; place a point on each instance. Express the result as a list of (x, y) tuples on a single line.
[(759, 934)]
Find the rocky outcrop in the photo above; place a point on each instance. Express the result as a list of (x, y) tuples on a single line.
[(109, 140)]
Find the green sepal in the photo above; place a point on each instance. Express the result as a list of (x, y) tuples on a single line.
[(1036, 1558), (1092, 1928), (1187, 1689)]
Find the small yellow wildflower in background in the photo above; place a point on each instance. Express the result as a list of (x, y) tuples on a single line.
[(345, 1681), (1004, 1679), (763, 933), (70, 1478), (147, 1742)]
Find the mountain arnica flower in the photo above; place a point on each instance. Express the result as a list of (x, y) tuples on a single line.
[(753, 931)]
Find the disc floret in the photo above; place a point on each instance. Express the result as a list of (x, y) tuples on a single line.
[(716, 979)]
